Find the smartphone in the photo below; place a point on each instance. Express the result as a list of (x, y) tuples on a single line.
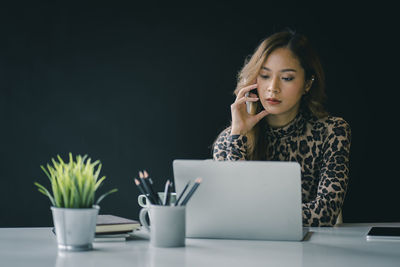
[(248, 104), (384, 233)]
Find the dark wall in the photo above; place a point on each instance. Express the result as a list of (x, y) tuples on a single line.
[(137, 86)]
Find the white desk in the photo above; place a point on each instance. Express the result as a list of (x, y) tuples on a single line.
[(337, 246)]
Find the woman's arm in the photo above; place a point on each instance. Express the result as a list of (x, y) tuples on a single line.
[(231, 143), (323, 211), (230, 147)]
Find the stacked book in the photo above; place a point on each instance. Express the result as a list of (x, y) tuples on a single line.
[(114, 228)]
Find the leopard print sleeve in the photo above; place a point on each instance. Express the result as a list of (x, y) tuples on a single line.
[(230, 147), (332, 186)]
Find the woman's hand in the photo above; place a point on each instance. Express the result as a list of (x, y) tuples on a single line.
[(242, 121)]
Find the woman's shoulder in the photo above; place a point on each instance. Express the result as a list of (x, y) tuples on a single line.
[(331, 125)]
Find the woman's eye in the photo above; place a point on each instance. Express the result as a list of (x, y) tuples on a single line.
[(287, 78), (264, 76)]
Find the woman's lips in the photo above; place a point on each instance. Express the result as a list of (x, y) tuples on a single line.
[(273, 101)]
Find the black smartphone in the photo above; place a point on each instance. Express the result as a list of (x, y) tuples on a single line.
[(384, 233)]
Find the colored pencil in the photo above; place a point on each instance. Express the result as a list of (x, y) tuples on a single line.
[(191, 192), (147, 189), (139, 185), (181, 195), (155, 195)]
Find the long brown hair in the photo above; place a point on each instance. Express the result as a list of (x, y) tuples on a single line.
[(313, 100)]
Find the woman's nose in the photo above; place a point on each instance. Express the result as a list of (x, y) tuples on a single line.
[(273, 86), (273, 90)]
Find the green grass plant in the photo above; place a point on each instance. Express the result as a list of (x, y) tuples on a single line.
[(73, 184)]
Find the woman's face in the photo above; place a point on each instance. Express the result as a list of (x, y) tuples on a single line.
[(281, 84)]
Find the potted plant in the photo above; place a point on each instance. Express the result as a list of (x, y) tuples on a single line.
[(74, 209)]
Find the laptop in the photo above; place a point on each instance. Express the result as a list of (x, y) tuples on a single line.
[(252, 200)]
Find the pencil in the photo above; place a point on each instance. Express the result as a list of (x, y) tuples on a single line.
[(156, 197), (181, 195), (147, 189), (139, 185), (191, 192)]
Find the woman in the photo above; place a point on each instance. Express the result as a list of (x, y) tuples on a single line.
[(278, 115)]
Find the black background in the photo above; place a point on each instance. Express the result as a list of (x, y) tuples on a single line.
[(138, 85)]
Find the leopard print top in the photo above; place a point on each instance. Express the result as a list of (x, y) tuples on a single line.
[(320, 146)]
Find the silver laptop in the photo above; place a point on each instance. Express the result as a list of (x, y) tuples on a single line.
[(242, 199)]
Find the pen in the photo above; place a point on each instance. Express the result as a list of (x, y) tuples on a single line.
[(166, 193), (191, 192), (171, 184), (155, 196), (181, 195)]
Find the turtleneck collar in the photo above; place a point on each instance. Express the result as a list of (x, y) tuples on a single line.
[(294, 128)]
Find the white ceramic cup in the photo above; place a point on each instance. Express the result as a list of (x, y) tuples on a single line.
[(142, 199), (168, 225)]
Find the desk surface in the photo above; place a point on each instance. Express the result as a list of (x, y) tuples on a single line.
[(344, 245)]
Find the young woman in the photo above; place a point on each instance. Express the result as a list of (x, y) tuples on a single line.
[(278, 115)]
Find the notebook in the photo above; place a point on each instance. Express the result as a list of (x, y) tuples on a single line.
[(111, 224), (254, 200), (113, 228)]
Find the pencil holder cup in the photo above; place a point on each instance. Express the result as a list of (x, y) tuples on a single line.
[(168, 225), (144, 203)]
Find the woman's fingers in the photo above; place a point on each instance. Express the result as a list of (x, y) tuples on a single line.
[(252, 95), (246, 99), (242, 121), (261, 115), (246, 89)]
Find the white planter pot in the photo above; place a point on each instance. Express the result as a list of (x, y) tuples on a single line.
[(75, 228)]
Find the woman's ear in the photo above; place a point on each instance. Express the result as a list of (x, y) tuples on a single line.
[(309, 84)]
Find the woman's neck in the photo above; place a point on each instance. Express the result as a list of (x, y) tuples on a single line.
[(283, 119)]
